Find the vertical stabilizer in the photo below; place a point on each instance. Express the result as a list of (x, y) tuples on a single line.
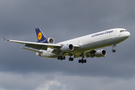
[(40, 36)]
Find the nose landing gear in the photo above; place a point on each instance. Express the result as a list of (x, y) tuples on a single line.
[(113, 49)]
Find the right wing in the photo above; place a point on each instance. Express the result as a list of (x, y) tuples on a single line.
[(35, 45)]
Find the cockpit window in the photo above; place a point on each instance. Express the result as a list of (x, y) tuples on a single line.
[(122, 30)]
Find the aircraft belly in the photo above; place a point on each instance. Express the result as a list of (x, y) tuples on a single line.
[(98, 44), (83, 48), (86, 48), (48, 54), (119, 39), (104, 43)]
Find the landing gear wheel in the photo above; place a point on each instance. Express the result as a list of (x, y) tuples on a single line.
[(113, 50), (85, 61), (61, 58), (58, 58), (71, 59), (82, 61)]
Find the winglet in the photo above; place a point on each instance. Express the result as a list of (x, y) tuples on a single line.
[(5, 38)]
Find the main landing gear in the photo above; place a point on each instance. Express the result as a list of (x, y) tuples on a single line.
[(113, 50), (82, 61), (71, 59), (61, 58)]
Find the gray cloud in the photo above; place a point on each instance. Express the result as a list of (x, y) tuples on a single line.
[(64, 20), (51, 81)]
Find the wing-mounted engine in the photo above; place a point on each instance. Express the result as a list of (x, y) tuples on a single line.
[(97, 53), (100, 53), (67, 48), (50, 40)]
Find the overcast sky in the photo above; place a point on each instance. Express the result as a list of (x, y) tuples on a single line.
[(65, 19)]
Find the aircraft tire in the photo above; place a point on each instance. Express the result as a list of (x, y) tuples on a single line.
[(71, 59), (113, 50), (61, 58), (82, 61)]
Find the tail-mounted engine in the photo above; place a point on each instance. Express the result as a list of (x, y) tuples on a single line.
[(50, 40), (67, 48)]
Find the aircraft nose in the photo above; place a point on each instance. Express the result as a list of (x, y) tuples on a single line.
[(127, 34)]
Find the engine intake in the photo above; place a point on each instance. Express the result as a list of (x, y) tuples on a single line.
[(100, 53), (50, 40), (67, 48)]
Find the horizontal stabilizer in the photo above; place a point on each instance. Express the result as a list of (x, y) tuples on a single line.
[(5, 38)]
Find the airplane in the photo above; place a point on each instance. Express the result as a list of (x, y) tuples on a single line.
[(84, 47)]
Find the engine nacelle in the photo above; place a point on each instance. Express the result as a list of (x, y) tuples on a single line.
[(50, 40), (67, 48), (100, 53)]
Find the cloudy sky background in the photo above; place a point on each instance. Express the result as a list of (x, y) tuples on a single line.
[(65, 19)]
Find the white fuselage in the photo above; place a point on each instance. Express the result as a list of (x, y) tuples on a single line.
[(91, 42)]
